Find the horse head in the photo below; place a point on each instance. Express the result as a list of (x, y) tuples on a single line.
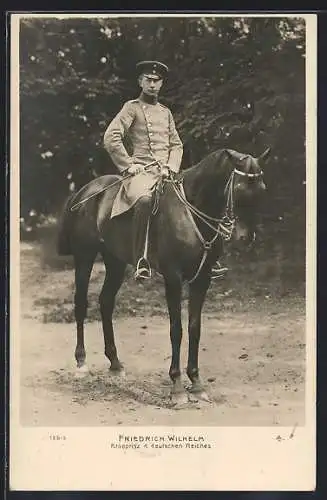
[(246, 190)]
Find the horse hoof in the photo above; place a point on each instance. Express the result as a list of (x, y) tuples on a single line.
[(117, 373), (200, 396), (82, 371), (179, 400)]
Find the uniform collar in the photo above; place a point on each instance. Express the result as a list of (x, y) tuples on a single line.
[(144, 101)]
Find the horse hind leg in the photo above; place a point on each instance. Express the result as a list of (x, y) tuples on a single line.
[(83, 267), (115, 270)]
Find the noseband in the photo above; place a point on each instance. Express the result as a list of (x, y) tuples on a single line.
[(229, 191), (223, 227), (239, 172)]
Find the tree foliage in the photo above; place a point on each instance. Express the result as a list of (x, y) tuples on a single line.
[(234, 82)]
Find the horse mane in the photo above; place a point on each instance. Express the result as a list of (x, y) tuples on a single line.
[(211, 166), (204, 182), (208, 162)]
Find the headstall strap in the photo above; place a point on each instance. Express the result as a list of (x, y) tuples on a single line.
[(245, 174)]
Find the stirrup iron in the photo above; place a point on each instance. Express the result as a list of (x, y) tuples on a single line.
[(218, 271), (143, 269)]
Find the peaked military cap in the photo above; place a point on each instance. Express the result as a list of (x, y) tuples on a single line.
[(152, 68)]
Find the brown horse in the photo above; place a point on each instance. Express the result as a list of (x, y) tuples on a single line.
[(214, 200)]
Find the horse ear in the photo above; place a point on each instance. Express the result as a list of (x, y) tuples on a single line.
[(229, 153), (233, 155), (263, 157)]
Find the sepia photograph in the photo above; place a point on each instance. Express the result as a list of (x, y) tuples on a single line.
[(163, 239)]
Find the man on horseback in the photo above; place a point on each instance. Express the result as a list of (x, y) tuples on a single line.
[(148, 127)]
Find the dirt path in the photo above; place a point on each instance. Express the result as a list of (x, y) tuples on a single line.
[(252, 362)]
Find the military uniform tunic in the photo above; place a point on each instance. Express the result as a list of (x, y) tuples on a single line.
[(139, 134)]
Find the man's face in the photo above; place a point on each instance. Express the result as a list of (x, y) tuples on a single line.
[(150, 85)]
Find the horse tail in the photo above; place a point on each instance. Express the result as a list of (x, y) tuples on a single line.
[(65, 228)]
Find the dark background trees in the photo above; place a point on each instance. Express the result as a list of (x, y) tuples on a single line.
[(234, 82)]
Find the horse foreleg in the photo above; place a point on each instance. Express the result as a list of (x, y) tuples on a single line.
[(197, 294), (173, 289), (83, 268), (115, 270)]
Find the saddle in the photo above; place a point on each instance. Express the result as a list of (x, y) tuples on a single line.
[(112, 197), (113, 201)]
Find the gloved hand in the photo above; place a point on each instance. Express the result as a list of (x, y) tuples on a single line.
[(135, 169), (165, 172)]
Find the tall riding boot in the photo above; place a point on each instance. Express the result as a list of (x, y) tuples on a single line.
[(141, 218)]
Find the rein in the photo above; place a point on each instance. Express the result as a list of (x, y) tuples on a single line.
[(124, 177), (223, 227)]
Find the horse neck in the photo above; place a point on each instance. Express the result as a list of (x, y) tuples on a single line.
[(204, 185)]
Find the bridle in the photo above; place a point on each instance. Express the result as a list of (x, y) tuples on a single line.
[(223, 227)]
